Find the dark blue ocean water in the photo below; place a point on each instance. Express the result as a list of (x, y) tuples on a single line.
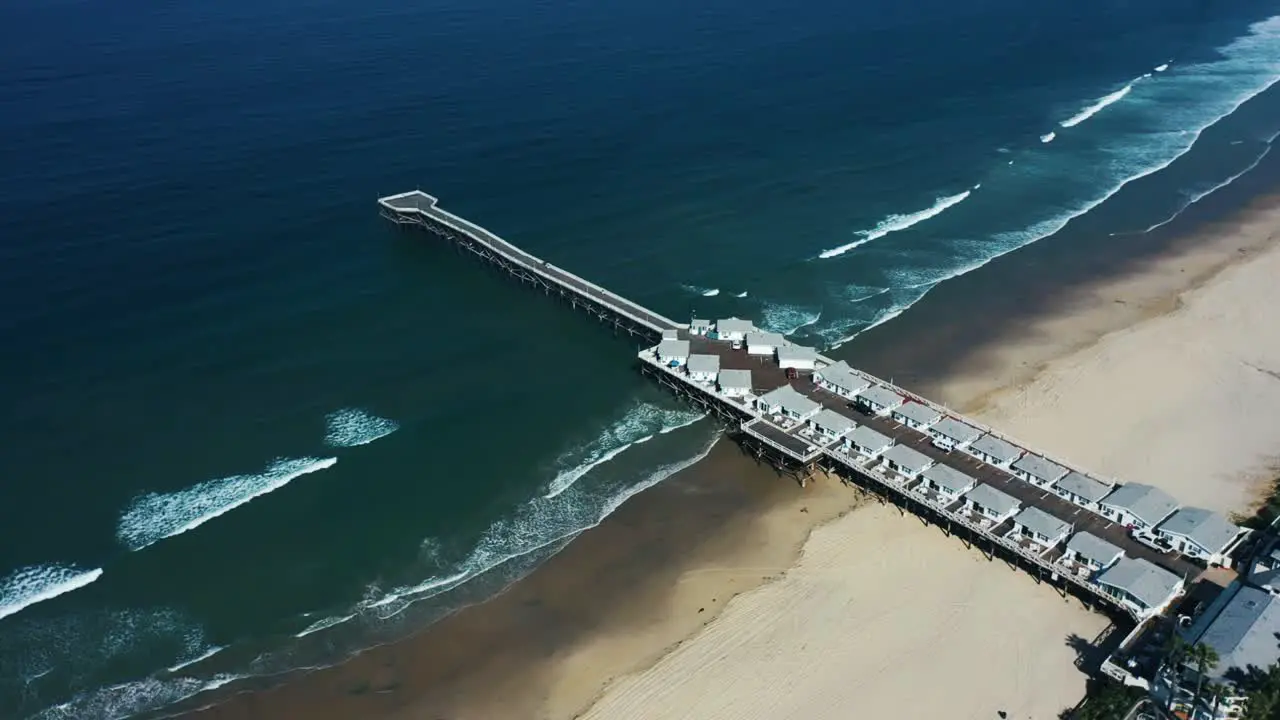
[(246, 422)]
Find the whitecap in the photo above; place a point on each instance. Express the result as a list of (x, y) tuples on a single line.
[(741, 294), (1046, 138), (132, 698), (350, 427), (28, 586), (638, 425), (787, 319), (205, 655), (894, 223), (1161, 68), (156, 516), (1096, 107), (1196, 197), (711, 292)]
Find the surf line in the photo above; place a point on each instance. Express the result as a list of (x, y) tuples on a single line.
[(894, 223)]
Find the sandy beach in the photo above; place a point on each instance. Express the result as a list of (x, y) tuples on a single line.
[(702, 599)]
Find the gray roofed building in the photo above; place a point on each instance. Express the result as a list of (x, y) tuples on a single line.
[(998, 502), (949, 479), (1083, 486), (865, 437), (699, 325), (735, 380), (768, 339), (832, 422), (1244, 633), (918, 413), (991, 447), (1143, 581), (673, 349), (878, 396), (1038, 468), (1091, 547), (1207, 529), (905, 458), (1145, 502), (671, 334), (955, 431), (704, 364), (796, 353), (790, 402), (843, 377), (734, 326), (1042, 523)]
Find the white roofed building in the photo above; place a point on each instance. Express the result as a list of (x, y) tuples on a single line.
[(734, 329), (763, 343), (915, 415), (734, 383), (994, 451), (671, 334), (829, 424), (1090, 552), (947, 482), (1141, 587), (992, 505), (703, 368), (1200, 534), (788, 403), (673, 353), (840, 379), (796, 357), (698, 326), (902, 461), (1137, 506), (1038, 471), (878, 399), (1082, 490), (1039, 528), (866, 442), (949, 433)]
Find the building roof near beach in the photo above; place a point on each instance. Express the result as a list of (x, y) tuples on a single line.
[(955, 430), (1082, 485), (843, 377), (1092, 547), (1039, 468), (1039, 521), (909, 458), (673, 348), (881, 396), (831, 420), (734, 325), (764, 339), (704, 363), (918, 412), (735, 379), (790, 401), (1207, 529), (1148, 503), (670, 334), (699, 323), (865, 437), (1148, 583), (985, 496), (1244, 633), (948, 477), (796, 352), (999, 449)]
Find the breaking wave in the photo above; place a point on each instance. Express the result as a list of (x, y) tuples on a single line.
[(788, 319), (32, 585), (156, 516), (350, 427), (894, 223), (1045, 138), (1097, 107)]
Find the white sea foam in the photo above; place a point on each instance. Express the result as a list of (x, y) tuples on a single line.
[(541, 523), (1161, 68), (741, 294), (787, 319), (1045, 138), (132, 698), (28, 586), (205, 655), (156, 516), (639, 424), (894, 223), (350, 427), (1097, 106), (1196, 197)]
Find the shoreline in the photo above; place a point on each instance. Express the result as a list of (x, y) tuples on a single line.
[(726, 528)]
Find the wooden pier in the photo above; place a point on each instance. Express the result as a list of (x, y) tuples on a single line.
[(789, 453)]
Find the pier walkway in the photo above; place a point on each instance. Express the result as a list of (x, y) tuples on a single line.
[(792, 445), (419, 208)]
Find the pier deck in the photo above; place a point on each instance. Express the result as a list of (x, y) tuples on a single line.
[(419, 208), (794, 446)]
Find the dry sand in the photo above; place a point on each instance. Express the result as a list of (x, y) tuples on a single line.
[(1170, 377)]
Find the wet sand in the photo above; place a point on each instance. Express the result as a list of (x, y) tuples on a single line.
[(618, 625)]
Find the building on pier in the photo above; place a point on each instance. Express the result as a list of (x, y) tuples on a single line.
[(796, 357), (907, 463), (673, 353), (1137, 506), (703, 368), (866, 443), (1039, 528), (994, 451), (949, 433), (1140, 586), (1200, 534), (734, 383), (1091, 553), (763, 344), (991, 505), (787, 404), (700, 327), (830, 425), (841, 379), (947, 482), (1078, 488), (734, 329), (914, 415), (878, 399), (1038, 471)]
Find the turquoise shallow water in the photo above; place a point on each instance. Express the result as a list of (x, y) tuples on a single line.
[(249, 424)]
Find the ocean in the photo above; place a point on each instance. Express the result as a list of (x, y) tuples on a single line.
[(249, 427)]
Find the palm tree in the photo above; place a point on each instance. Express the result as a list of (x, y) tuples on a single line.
[(1205, 658), (1175, 652)]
